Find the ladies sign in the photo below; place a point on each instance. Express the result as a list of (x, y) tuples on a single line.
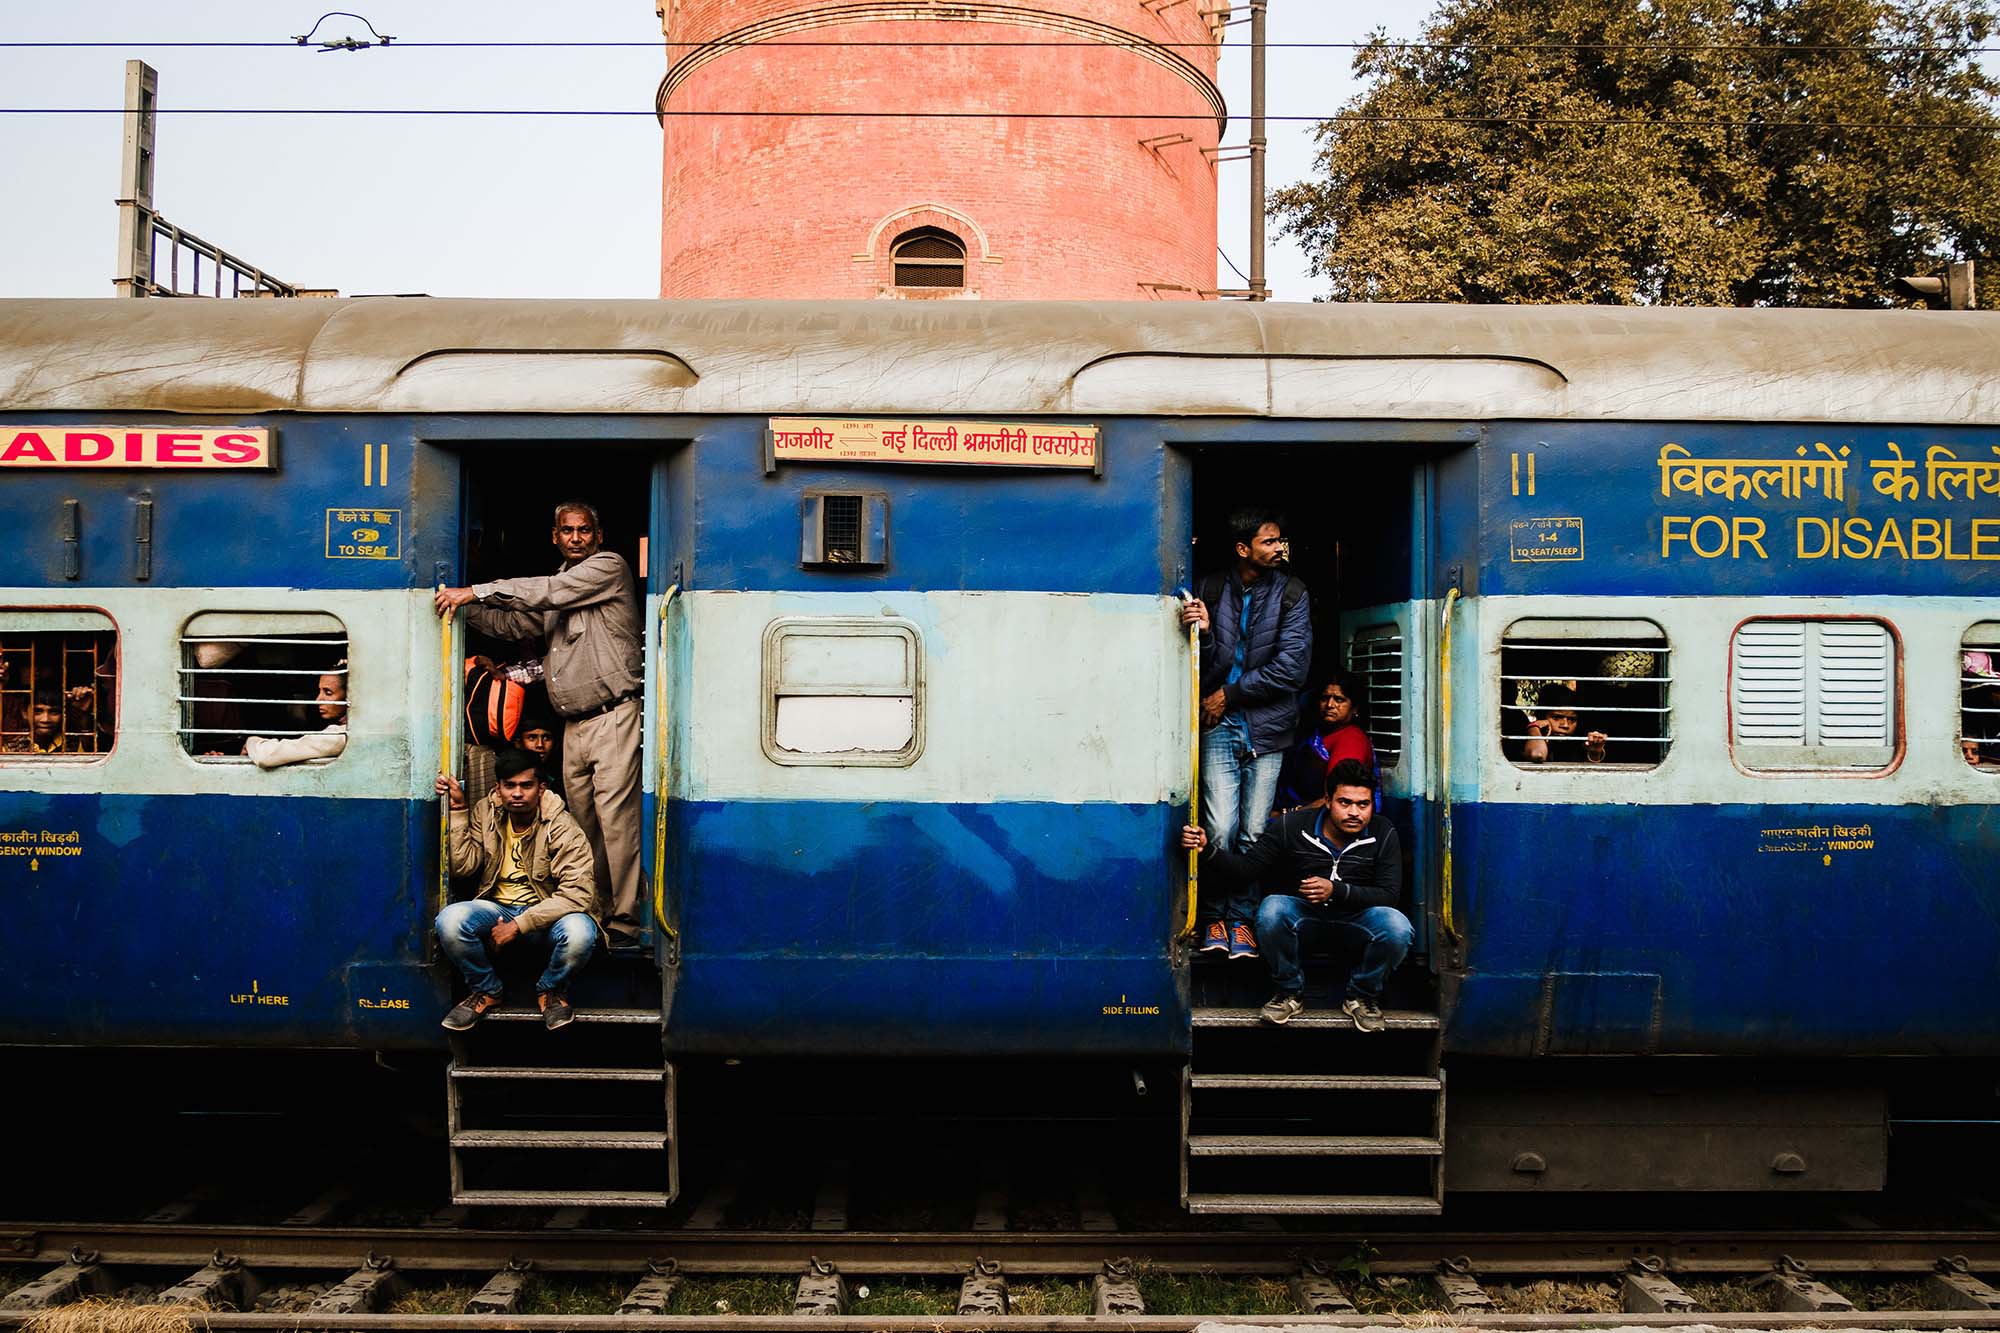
[(133, 447)]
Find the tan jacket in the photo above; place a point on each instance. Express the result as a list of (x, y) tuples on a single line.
[(558, 857), (266, 752), (589, 617)]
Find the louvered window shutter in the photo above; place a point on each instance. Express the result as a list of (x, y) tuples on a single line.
[(1768, 676), (1813, 694)]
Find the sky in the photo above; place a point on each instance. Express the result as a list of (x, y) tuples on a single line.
[(449, 205)]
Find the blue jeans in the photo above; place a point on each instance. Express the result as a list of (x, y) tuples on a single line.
[(463, 927), (1237, 789), (1284, 919)]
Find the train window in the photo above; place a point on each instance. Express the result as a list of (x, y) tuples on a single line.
[(1376, 655), (1979, 697), (247, 674), (1577, 692), (1812, 694), (843, 691), (58, 684)]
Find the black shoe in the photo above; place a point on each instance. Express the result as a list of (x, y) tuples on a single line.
[(470, 1010), (556, 1010)]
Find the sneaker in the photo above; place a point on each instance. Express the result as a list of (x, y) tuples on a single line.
[(1215, 939), (556, 1010), (470, 1010), (1242, 944), (1367, 1014), (1281, 1008)]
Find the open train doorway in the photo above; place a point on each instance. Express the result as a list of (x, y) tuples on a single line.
[(511, 491), (1352, 517)]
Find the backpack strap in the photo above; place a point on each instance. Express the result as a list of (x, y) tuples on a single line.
[(1295, 588)]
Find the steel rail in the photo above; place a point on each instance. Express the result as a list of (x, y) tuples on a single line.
[(740, 1323), (1021, 1253)]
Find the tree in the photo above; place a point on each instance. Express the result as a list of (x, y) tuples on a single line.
[(1672, 152)]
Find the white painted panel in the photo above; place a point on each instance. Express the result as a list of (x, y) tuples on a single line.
[(1056, 697), (807, 659), (842, 724), (53, 622), (1699, 768), (394, 660)]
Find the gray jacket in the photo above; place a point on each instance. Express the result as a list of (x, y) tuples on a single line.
[(589, 617)]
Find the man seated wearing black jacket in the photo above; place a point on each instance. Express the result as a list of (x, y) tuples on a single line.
[(1347, 863)]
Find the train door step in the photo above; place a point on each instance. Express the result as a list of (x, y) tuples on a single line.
[(578, 1118), (1313, 1117)]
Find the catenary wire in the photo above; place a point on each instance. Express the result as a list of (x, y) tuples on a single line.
[(1764, 48), (1594, 122)]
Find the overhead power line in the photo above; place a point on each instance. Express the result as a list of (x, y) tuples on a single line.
[(1339, 117), (402, 44)]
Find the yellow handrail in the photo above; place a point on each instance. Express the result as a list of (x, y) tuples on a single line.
[(1447, 901), (1194, 769), (445, 695), (660, 787)]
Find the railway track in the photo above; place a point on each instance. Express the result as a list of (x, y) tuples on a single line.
[(356, 1278)]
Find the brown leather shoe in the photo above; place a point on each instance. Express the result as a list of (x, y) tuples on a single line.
[(470, 1010)]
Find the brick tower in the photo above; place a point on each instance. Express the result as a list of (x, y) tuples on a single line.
[(992, 207)]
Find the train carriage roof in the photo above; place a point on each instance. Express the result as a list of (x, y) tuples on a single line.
[(965, 357)]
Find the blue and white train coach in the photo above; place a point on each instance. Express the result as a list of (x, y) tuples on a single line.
[(917, 700)]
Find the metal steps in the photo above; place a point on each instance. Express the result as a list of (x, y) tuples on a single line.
[(523, 1014), (1313, 1117), (1320, 1082), (1383, 1205), (1312, 1145), (558, 1138), (460, 1072), (1399, 1020), (578, 1118), (563, 1198)]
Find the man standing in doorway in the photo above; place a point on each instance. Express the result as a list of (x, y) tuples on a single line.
[(1256, 647), (585, 618)]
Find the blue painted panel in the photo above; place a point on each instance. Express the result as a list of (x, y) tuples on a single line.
[(926, 928), (950, 527), (184, 919), (247, 528), (1637, 540), (1883, 941)]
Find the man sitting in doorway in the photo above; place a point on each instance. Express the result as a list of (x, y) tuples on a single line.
[(1347, 864), (587, 617), (1256, 646), (533, 865)]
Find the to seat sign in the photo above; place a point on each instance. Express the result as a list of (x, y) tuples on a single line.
[(133, 447)]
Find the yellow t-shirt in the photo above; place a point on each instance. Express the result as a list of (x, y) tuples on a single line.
[(512, 890)]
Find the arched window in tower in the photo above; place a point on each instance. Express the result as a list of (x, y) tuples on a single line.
[(928, 257)]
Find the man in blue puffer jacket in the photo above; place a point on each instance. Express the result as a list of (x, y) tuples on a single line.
[(1256, 648)]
